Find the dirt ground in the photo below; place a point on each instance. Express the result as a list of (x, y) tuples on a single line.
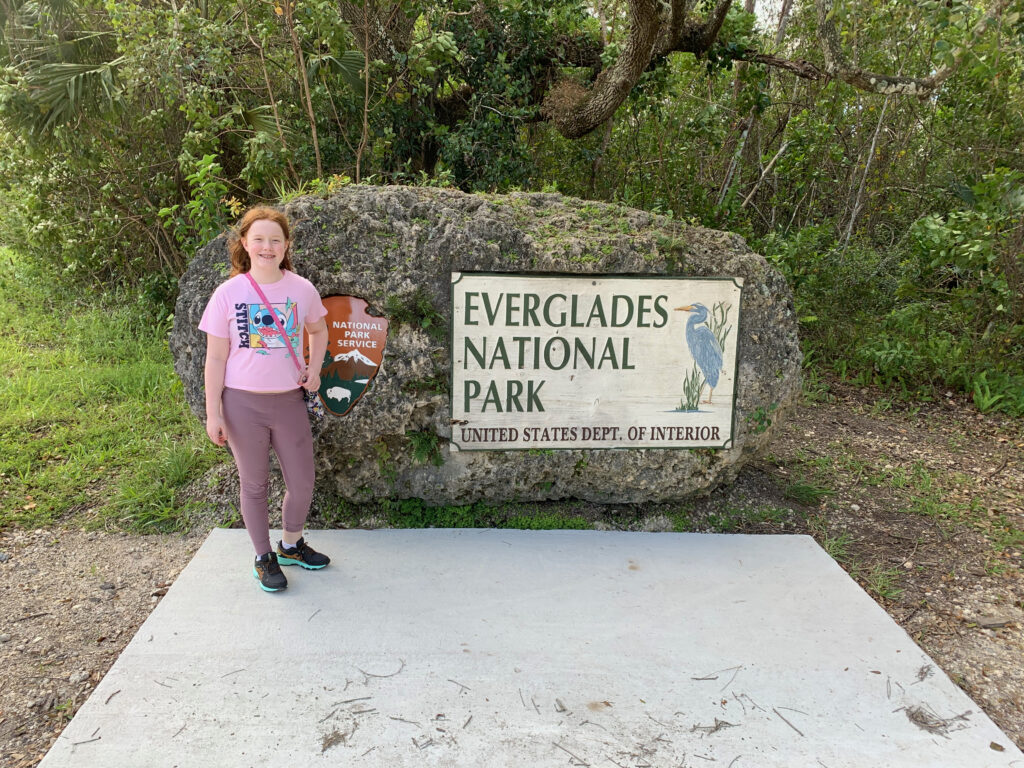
[(920, 508)]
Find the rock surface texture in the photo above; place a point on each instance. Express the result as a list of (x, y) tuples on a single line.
[(396, 247)]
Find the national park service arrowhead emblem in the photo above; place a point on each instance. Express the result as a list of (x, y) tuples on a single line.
[(355, 349)]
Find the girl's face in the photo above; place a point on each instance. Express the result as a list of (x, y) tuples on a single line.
[(265, 244)]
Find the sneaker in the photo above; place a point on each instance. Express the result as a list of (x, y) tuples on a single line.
[(268, 573), (302, 554)]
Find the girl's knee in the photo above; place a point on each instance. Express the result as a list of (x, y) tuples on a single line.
[(254, 488)]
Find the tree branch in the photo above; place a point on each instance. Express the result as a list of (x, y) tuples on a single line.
[(806, 69), (697, 38), (839, 67), (576, 110)]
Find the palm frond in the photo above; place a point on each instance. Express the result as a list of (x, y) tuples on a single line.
[(63, 90), (258, 119), (348, 66), (18, 13)]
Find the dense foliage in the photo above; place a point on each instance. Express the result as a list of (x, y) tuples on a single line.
[(134, 131)]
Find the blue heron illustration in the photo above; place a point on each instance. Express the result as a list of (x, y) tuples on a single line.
[(703, 345)]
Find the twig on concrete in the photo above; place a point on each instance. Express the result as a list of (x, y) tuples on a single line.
[(231, 673), (788, 723), (163, 684), (467, 722), (521, 698), (179, 730), (424, 745), (579, 759), (95, 732), (329, 716), (367, 751), (714, 675), (363, 711), (314, 614), (463, 687), (734, 761), (333, 739), (924, 673), (736, 672), (87, 741), (349, 701), (596, 725), (371, 674), (403, 720), (709, 729), (112, 696), (931, 722), (709, 759), (740, 702), (752, 702), (535, 706), (656, 721), (798, 711)]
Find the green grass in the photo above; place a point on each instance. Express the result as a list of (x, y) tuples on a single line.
[(837, 546), (94, 428), (883, 582), (730, 519), (806, 493), (413, 513)]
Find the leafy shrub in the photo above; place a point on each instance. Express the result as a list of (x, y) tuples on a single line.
[(944, 311)]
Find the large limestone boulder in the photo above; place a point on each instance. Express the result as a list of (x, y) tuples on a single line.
[(396, 247)]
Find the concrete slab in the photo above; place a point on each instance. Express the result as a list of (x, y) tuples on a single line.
[(527, 649)]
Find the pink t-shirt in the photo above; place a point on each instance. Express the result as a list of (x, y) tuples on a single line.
[(258, 359)]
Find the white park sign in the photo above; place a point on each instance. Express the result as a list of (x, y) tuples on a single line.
[(570, 361)]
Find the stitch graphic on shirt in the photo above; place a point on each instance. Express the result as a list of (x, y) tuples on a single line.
[(263, 333)]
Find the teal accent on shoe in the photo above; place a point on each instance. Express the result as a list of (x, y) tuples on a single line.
[(285, 560), (256, 575)]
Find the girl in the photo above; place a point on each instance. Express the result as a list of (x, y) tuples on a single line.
[(253, 400)]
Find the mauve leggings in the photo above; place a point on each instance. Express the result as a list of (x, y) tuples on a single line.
[(255, 422)]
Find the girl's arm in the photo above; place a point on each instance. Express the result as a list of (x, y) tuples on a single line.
[(317, 348), (217, 348)]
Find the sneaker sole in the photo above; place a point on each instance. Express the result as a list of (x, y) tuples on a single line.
[(265, 588), (283, 560)]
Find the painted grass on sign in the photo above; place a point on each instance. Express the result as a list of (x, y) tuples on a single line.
[(94, 428)]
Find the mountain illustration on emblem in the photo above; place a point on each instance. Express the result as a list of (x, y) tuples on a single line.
[(345, 378), (356, 356)]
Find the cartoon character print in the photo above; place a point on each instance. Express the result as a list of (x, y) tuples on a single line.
[(263, 331)]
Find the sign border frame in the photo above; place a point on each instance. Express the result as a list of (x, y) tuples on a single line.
[(738, 282)]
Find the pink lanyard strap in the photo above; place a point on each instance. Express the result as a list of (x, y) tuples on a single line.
[(273, 315)]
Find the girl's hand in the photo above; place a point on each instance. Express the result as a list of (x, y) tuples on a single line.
[(311, 380), (215, 430)]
